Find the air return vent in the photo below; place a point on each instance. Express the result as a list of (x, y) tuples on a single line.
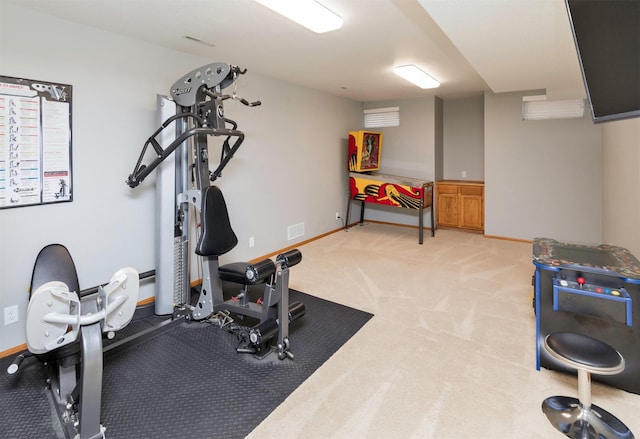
[(295, 231)]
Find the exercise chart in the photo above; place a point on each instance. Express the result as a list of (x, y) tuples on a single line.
[(35, 142)]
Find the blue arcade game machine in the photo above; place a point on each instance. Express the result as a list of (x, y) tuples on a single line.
[(589, 290)]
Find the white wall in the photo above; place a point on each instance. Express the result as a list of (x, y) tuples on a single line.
[(290, 168), (464, 138), (621, 184), (542, 178)]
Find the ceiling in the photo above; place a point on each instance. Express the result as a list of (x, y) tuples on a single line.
[(468, 45)]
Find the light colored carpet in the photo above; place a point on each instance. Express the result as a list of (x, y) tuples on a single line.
[(450, 352)]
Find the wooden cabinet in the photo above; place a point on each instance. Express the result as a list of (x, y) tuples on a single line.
[(460, 204), (448, 205)]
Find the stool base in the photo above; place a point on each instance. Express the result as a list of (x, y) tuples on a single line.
[(568, 416)]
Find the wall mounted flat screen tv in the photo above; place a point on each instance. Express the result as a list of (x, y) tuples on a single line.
[(607, 37)]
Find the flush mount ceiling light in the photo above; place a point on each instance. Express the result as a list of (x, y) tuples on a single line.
[(308, 13), (416, 76)]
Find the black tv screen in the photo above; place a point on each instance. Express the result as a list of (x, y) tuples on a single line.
[(607, 37)]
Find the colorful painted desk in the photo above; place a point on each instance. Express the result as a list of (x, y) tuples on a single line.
[(391, 190)]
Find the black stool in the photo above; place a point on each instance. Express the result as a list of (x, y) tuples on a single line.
[(577, 418)]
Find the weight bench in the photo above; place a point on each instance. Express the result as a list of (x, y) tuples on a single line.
[(273, 309)]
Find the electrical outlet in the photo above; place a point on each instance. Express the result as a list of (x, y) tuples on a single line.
[(10, 314), (464, 174), (337, 215), (252, 241)]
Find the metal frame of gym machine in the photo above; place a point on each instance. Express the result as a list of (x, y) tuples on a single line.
[(195, 112)]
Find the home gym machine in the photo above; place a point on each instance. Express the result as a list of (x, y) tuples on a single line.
[(64, 331), (189, 120)]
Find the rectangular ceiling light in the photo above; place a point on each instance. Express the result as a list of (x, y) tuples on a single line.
[(416, 76), (308, 13), (539, 108)]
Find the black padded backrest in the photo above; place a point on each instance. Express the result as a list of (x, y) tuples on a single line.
[(54, 263), (216, 234)]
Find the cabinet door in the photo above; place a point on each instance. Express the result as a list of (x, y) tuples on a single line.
[(472, 209), (447, 213)]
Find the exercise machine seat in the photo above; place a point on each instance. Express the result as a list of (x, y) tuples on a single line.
[(217, 236), (54, 262), (248, 274), (578, 418)]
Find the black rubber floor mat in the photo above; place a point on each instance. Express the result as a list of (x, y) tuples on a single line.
[(188, 382)]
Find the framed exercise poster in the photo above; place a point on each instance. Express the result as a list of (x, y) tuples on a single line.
[(35, 142)]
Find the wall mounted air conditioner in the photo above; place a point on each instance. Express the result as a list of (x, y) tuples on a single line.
[(539, 108)]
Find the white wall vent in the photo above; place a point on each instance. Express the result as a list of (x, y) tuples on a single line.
[(295, 231)]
